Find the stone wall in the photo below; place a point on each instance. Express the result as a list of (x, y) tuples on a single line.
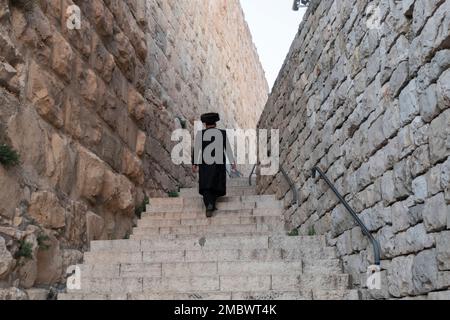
[(368, 103), (91, 113), (203, 60)]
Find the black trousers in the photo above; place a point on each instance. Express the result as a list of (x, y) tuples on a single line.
[(209, 197)]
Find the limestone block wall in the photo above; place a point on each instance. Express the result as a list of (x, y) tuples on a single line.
[(91, 113), (204, 60), (366, 98)]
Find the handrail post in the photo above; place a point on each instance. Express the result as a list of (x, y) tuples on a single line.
[(366, 232)]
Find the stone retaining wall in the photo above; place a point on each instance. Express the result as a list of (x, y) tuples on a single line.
[(366, 98), (91, 113)]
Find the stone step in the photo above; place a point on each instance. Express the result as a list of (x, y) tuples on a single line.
[(232, 283), (151, 222), (182, 269), (233, 191), (221, 268), (269, 295), (209, 242), (240, 182), (200, 213), (317, 265), (217, 295), (194, 237), (248, 198), (209, 255), (78, 296), (331, 281), (336, 295), (229, 229), (197, 199), (225, 203), (217, 239)]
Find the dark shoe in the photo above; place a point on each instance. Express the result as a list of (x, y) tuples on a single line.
[(209, 210)]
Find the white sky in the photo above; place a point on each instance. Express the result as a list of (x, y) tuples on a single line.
[(274, 25)]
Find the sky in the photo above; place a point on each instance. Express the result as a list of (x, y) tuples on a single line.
[(273, 25)]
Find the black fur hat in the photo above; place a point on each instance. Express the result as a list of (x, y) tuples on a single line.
[(210, 118)]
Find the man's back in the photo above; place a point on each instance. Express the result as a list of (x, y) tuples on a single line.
[(211, 148)]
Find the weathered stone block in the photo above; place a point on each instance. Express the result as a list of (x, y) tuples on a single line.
[(443, 91), (341, 220), (376, 217), (413, 240), (13, 294), (443, 280), (35, 294), (102, 61), (45, 93), (94, 226), (136, 105), (344, 243), (405, 141), (422, 11), (90, 84), (433, 36), (387, 187), (425, 272), (409, 104), (354, 265), (62, 58), (402, 180), (6, 259), (49, 262), (8, 77), (420, 188), (140, 143), (433, 180), (435, 213), (428, 102), (448, 220), (400, 276), (415, 213), (441, 295), (401, 219), (419, 162), (391, 119), (445, 179), (46, 209), (443, 250), (398, 78), (439, 137), (91, 174)]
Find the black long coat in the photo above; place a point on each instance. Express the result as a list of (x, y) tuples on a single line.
[(213, 177)]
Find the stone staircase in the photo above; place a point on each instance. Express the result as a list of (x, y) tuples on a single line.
[(242, 253)]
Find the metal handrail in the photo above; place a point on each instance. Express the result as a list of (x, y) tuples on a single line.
[(292, 186), (295, 200), (366, 232), (251, 174)]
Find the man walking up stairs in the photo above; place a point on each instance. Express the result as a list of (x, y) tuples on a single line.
[(242, 252)]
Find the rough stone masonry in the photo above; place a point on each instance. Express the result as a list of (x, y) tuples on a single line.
[(365, 94), (91, 112)]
